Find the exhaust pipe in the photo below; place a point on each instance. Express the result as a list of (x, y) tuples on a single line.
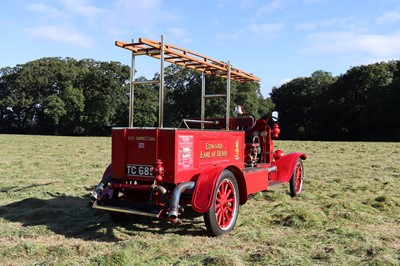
[(174, 202)]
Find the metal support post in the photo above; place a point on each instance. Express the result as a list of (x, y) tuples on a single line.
[(132, 88), (161, 93), (228, 96), (203, 98)]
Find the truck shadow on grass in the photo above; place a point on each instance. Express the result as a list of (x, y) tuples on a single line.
[(72, 217)]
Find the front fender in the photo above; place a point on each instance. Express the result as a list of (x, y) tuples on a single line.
[(286, 166), (204, 189)]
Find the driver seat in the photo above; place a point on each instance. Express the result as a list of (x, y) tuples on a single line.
[(241, 123)]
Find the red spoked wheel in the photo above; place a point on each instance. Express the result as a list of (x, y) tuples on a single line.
[(221, 217), (296, 181)]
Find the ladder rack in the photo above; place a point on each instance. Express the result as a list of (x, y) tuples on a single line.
[(185, 58)]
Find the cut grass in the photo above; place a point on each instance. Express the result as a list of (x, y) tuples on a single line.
[(348, 212)]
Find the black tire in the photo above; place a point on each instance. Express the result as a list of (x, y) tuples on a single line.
[(221, 218), (297, 179)]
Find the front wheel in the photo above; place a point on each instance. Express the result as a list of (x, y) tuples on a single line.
[(296, 181), (221, 217)]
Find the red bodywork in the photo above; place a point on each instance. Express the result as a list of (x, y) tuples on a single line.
[(211, 166), (200, 156)]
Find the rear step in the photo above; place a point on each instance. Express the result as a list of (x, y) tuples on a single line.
[(154, 212)]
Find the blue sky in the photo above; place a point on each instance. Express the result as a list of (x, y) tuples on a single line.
[(277, 40)]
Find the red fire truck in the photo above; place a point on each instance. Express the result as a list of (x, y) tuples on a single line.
[(207, 165)]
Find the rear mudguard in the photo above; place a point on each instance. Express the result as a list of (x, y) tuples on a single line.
[(102, 189), (206, 183), (107, 172), (286, 166), (204, 189)]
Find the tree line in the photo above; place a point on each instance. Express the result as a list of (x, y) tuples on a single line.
[(65, 96), (362, 104)]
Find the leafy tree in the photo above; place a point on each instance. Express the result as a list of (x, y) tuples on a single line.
[(385, 119), (74, 101), (353, 100), (34, 82), (7, 84), (358, 105), (297, 102), (53, 110), (182, 94), (316, 113), (88, 97), (62, 96), (61, 109), (266, 106), (104, 94), (246, 95), (145, 105)]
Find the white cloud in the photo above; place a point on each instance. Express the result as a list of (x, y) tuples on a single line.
[(71, 21), (352, 42), (343, 22), (246, 3), (62, 21), (313, 1), (82, 8), (180, 34), (46, 10), (60, 33), (140, 16), (243, 4), (270, 7), (266, 30), (233, 36), (389, 17), (68, 10), (306, 26), (347, 23)]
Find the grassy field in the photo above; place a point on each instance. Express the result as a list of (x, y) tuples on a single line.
[(347, 214)]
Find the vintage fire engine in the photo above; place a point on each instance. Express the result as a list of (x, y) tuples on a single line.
[(207, 166)]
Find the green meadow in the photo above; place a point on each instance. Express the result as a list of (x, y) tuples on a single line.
[(347, 214)]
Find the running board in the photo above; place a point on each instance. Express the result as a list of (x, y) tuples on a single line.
[(124, 210), (274, 183), (270, 169)]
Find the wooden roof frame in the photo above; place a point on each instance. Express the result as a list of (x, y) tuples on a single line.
[(186, 58)]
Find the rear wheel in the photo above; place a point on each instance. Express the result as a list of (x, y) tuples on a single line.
[(117, 217), (221, 217), (296, 181)]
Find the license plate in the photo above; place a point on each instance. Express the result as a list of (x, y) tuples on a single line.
[(138, 170)]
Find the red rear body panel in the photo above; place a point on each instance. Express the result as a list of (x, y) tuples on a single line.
[(185, 153)]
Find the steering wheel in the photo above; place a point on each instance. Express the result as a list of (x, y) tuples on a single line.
[(254, 119)]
